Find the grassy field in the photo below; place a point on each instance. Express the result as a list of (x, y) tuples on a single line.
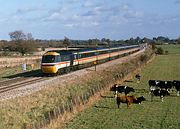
[(149, 115), (6, 73)]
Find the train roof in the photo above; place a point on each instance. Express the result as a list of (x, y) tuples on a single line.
[(63, 52), (84, 50)]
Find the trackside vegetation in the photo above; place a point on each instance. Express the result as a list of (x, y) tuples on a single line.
[(41, 108), (104, 114)]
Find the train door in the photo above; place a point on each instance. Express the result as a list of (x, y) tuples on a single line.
[(71, 60)]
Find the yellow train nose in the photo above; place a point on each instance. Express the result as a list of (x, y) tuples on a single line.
[(48, 69)]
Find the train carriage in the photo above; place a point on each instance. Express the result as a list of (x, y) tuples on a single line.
[(62, 61)]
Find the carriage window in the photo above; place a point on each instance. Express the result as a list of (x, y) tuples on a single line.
[(57, 59), (75, 56), (103, 52), (79, 56), (84, 55), (65, 57)]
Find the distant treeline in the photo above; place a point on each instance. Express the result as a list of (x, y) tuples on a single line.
[(26, 44)]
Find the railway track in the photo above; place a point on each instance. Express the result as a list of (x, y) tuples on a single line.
[(19, 82), (22, 83)]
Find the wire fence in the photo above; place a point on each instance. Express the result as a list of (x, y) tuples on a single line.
[(63, 108)]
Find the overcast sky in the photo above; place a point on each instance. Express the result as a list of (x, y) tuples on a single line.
[(85, 19)]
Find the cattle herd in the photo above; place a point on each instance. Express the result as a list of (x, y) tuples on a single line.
[(124, 98), (156, 88), (163, 88)]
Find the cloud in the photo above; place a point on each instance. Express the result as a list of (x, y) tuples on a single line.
[(160, 20), (54, 16), (27, 10), (133, 14), (92, 14), (88, 4), (70, 25)]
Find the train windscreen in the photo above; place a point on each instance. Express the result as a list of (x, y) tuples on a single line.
[(50, 59)]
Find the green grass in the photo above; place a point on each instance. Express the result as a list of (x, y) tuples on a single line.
[(172, 49), (149, 115), (6, 72)]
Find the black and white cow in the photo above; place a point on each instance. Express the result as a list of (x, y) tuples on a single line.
[(121, 89), (166, 85), (176, 85), (159, 92), (139, 100), (157, 84), (153, 84)]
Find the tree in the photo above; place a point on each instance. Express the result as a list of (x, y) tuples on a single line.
[(178, 40), (138, 40), (93, 42), (153, 47), (29, 36), (160, 51), (66, 42), (21, 42), (17, 35), (108, 42)]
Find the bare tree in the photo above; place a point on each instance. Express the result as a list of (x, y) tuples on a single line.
[(66, 42), (21, 42), (17, 35), (29, 36)]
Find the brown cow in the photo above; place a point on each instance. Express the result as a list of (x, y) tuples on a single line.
[(125, 99)]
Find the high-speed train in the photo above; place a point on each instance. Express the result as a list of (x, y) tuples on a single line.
[(63, 61)]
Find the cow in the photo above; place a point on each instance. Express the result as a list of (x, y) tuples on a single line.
[(138, 77), (176, 85), (121, 89), (157, 84), (125, 99), (159, 92), (153, 84), (139, 100), (166, 85)]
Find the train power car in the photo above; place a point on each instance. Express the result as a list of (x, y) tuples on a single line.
[(63, 61)]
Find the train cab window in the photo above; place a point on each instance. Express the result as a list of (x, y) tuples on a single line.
[(48, 59)]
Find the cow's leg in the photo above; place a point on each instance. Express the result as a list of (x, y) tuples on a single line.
[(178, 93), (118, 101), (161, 97), (118, 105), (128, 104), (150, 90), (115, 94)]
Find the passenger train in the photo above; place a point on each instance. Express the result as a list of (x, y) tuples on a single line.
[(63, 61)]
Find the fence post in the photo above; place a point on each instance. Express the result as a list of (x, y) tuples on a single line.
[(59, 110), (54, 112)]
